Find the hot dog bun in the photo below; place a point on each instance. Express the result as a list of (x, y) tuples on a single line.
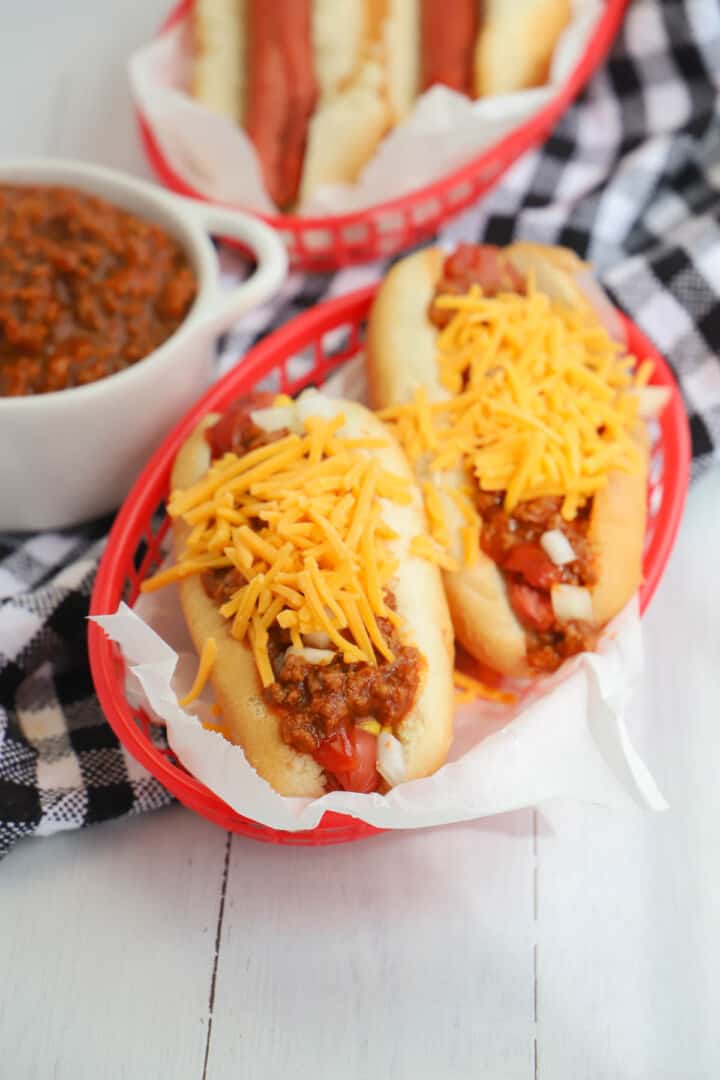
[(402, 356), (426, 731), (246, 717), (218, 71), (516, 43), (354, 70), (365, 63), (485, 623)]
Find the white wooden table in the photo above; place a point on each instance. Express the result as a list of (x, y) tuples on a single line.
[(567, 943)]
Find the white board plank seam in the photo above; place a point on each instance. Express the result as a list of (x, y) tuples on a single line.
[(216, 957)]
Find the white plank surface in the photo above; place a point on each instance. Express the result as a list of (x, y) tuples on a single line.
[(629, 930), (107, 944), (405, 956), (424, 955)]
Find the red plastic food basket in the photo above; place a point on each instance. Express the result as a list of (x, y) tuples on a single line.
[(324, 243), (302, 353)]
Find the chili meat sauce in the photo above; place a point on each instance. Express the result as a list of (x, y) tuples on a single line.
[(86, 288)]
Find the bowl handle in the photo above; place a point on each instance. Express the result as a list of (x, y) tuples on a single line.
[(264, 244)]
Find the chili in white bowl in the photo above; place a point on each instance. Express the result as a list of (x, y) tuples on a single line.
[(71, 445)]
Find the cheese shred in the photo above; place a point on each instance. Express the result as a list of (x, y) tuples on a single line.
[(208, 656), (296, 529), (469, 689), (539, 401)]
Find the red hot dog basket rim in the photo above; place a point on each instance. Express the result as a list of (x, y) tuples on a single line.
[(133, 547), (323, 243)]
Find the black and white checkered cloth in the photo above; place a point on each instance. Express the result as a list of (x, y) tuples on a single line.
[(629, 178)]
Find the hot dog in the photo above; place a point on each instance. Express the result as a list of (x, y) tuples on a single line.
[(447, 44), (332, 643), (281, 91), (317, 84), (524, 421)]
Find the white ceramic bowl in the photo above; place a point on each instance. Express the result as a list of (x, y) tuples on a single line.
[(69, 456)]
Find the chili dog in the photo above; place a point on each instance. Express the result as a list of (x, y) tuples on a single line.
[(317, 84), (523, 417), (332, 649)]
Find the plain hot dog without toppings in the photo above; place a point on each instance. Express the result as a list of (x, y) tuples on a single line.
[(317, 84), (448, 32), (281, 91)]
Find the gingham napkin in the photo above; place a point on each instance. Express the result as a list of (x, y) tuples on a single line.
[(630, 178)]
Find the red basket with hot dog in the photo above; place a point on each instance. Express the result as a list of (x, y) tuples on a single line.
[(358, 131), (513, 486)]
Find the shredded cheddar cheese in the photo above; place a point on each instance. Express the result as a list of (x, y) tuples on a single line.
[(426, 548), (469, 689), (217, 728), (539, 401), (298, 522), (208, 657)]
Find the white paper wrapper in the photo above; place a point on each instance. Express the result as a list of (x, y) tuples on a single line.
[(444, 130), (566, 738)]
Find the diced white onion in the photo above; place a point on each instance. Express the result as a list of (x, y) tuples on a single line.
[(312, 403), (281, 416), (313, 656), (391, 759), (652, 400), (318, 639), (572, 602), (557, 547)]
